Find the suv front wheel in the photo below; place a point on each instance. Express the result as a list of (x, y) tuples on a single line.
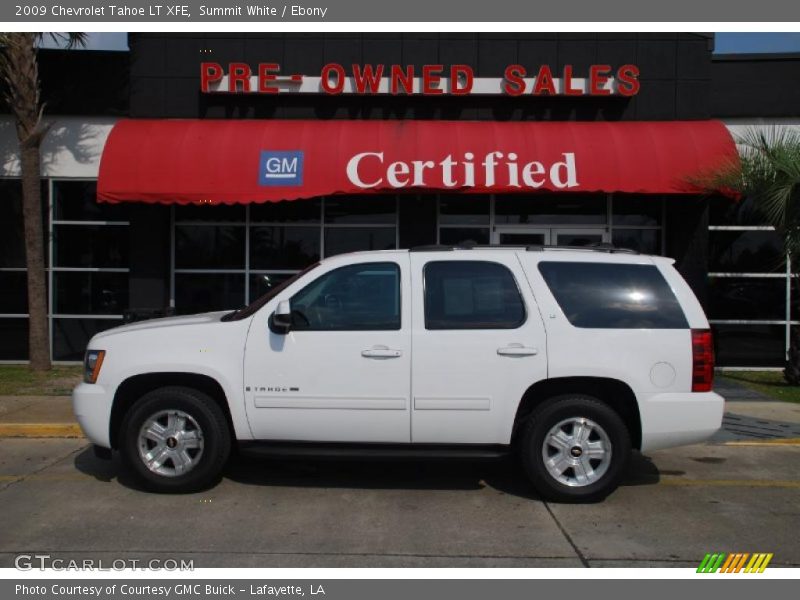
[(175, 439), (575, 448)]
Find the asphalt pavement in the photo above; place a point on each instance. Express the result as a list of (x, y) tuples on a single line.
[(737, 493), (675, 506)]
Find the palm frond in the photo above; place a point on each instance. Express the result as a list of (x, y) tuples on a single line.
[(71, 39), (768, 179), (768, 139)]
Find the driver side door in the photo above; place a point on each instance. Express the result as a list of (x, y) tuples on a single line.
[(342, 374)]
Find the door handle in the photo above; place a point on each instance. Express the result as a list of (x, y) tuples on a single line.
[(517, 350), (381, 352)]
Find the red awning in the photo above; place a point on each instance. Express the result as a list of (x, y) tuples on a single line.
[(243, 161)]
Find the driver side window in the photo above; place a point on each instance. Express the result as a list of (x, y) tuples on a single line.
[(352, 298)]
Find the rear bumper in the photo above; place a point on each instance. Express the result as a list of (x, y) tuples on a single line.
[(670, 420), (91, 404)]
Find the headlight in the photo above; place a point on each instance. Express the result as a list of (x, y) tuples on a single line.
[(92, 364)]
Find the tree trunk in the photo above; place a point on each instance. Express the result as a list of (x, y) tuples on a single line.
[(20, 71), (38, 329)]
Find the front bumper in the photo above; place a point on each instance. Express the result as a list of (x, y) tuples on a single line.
[(91, 404), (672, 419)]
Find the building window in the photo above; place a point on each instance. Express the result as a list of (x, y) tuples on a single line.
[(13, 271), (13, 339), (749, 345), (13, 275), (464, 219), (89, 258), (86, 257), (750, 291), (216, 246), (551, 209), (637, 222), (227, 256), (12, 242)]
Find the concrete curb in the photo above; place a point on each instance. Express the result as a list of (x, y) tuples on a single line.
[(40, 430), (772, 442)]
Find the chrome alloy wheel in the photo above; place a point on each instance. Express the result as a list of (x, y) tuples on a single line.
[(576, 452), (170, 443)]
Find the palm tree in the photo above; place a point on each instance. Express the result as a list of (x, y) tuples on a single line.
[(768, 177), (19, 70)]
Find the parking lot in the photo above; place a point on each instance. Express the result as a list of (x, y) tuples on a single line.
[(736, 493)]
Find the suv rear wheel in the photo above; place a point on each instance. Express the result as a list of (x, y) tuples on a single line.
[(575, 449), (175, 439)]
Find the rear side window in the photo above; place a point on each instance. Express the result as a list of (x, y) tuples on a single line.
[(471, 295), (613, 296)]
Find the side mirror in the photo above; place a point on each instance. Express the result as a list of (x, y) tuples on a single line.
[(280, 321)]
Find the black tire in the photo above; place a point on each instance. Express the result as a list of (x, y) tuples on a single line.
[(558, 410), (214, 431)]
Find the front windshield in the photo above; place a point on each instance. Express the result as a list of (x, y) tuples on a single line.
[(253, 307)]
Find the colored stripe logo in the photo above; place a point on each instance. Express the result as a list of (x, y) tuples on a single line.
[(738, 562)]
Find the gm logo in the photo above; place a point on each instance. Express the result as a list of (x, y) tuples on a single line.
[(281, 167)]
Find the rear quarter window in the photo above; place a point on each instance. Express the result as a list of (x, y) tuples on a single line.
[(613, 296)]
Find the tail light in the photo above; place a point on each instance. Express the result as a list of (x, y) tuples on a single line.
[(702, 360)]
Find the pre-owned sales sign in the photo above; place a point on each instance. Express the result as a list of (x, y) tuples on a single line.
[(428, 80)]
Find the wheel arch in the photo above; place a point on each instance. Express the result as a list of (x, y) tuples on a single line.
[(136, 386), (615, 393)]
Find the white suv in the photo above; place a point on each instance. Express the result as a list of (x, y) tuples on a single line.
[(570, 357)]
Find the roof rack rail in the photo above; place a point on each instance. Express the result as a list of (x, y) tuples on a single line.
[(438, 248), (604, 247)]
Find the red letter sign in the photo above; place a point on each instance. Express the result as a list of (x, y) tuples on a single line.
[(337, 86), (399, 77), (468, 78), (544, 82), (238, 73), (628, 80), (266, 75), (598, 76), (368, 79), (430, 79), (514, 84), (209, 73), (568, 90)]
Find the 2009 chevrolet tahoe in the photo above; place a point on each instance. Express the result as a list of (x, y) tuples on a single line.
[(569, 357)]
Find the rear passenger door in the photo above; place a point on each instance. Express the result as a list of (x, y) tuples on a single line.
[(478, 344)]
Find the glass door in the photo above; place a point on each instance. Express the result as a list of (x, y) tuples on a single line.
[(546, 236), (578, 237), (521, 236)]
